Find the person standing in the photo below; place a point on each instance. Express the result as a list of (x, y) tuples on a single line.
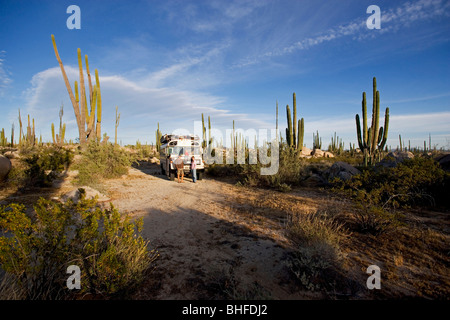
[(193, 169), (179, 163)]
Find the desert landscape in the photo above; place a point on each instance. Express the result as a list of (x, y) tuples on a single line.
[(92, 150)]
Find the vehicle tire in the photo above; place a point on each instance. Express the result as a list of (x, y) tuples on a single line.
[(199, 175), (172, 175)]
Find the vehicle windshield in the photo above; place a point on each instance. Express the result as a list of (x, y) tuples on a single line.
[(186, 151)]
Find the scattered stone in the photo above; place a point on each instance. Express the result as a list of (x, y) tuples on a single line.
[(395, 157), (306, 152), (154, 160), (444, 161), (317, 153), (91, 193), (12, 154), (342, 170), (5, 167)]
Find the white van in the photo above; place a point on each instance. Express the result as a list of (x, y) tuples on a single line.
[(187, 146)]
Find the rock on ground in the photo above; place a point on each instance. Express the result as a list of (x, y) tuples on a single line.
[(317, 153), (444, 161), (91, 193), (395, 157), (342, 170), (306, 152), (5, 167)]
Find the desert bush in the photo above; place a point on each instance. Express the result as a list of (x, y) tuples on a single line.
[(418, 181), (101, 160), (290, 172), (378, 192), (317, 256), (43, 164), (36, 251)]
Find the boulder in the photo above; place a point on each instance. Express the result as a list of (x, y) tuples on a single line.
[(91, 193), (12, 154), (328, 154), (306, 152), (317, 153), (395, 157), (5, 167), (444, 161), (154, 160), (341, 170)]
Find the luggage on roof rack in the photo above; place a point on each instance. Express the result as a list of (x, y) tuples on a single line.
[(169, 137)]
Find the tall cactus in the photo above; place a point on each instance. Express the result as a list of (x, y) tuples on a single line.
[(20, 128), (300, 134), (317, 141), (84, 116), (158, 139), (295, 128), (294, 120), (116, 124), (98, 128), (289, 133), (3, 140), (374, 138), (203, 132), (12, 136)]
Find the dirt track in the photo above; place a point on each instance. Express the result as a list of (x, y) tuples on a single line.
[(206, 250)]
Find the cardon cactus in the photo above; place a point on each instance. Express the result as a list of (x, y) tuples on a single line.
[(374, 138)]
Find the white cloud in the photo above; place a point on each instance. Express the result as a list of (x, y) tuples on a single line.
[(391, 20), (141, 107), (5, 76)]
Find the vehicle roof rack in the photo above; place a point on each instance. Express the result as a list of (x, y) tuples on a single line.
[(169, 137)]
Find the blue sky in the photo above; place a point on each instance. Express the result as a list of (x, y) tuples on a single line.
[(170, 61)]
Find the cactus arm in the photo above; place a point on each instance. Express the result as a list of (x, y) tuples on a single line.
[(385, 129), (289, 126), (69, 90), (380, 136), (98, 130), (301, 131), (364, 115), (82, 96), (294, 120), (358, 133), (91, 91)]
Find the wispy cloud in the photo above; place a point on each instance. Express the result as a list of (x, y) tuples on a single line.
[(392, 20), (5, 76)]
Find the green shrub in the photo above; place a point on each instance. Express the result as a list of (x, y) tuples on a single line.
[(418, 181), (317, 256), (36, 251), (290, 172), (101, 160), (378, 192), (43, 164)]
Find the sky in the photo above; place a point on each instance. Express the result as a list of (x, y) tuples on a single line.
[(168, 62)]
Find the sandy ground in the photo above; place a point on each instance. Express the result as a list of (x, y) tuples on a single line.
[(206, 250)]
